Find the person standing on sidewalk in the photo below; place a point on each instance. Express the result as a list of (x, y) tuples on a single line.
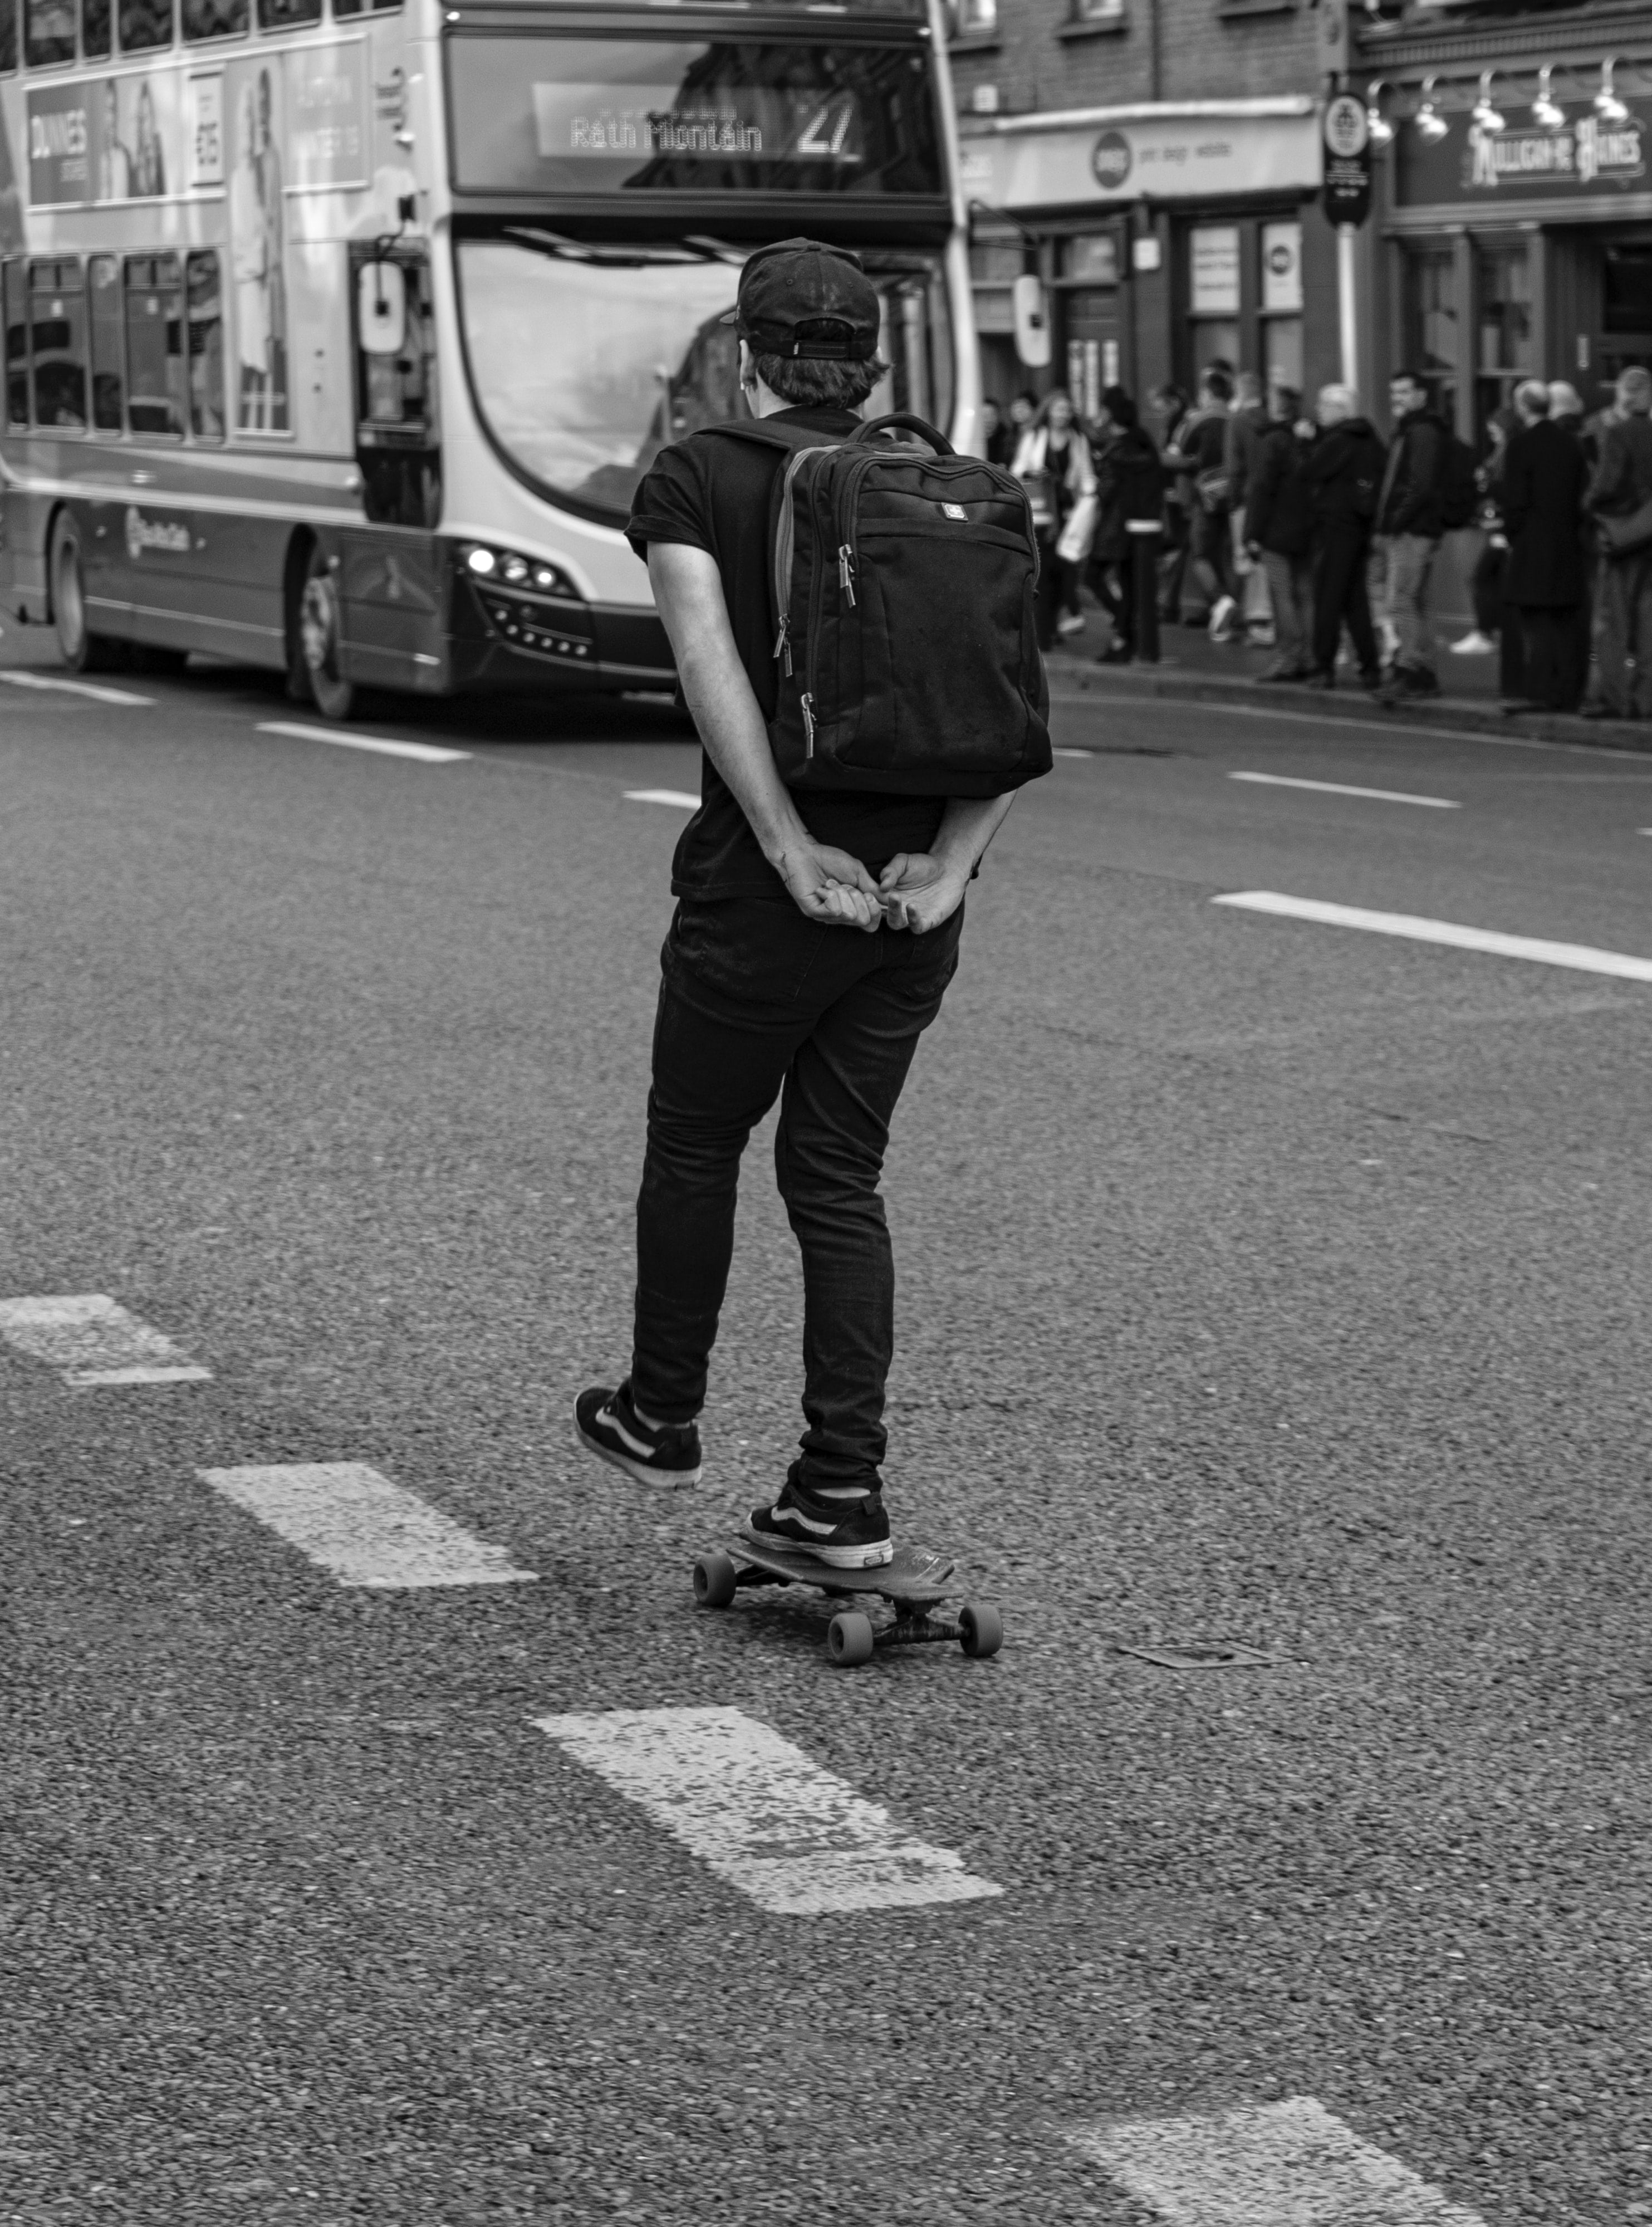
[(1621, 486), (1544, 482), (1129, 485), (1201, 456), (1247, 428), (1052, 462), (1344, 471), (1409, 526), (815, 934), (1280, 535)]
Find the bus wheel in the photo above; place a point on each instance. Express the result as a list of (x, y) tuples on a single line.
[(318, 641), (82, 651)]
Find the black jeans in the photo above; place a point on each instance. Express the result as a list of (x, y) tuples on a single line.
[(1340, 597), (757, 1002)]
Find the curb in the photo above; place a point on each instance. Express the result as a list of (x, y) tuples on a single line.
[(1354, 708)]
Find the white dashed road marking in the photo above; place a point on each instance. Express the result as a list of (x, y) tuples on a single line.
[(91, 1340), (757, 1812), (1286, 2165), (97, 693), (1582, 956), (1341, 789), (689, 802), (1058, 751), (426, 753), (365, 1530)]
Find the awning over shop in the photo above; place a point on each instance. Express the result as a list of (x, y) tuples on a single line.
[(1151, 150)]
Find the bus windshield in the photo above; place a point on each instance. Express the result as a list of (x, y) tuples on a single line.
[(585, 362), (582, 115)]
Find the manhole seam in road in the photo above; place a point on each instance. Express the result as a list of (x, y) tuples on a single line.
[(1200, 1655)]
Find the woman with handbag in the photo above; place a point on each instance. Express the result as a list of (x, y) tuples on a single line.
[(1052, 462)]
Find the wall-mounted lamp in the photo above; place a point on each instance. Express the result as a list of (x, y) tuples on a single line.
[(1546, 112), (1486, 115), (1431, 125), (1376, 123), (1608, 108)]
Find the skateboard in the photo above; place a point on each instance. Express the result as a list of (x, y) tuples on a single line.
[(915, 1584)]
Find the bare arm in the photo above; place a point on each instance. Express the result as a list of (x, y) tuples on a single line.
[(921, 888), (826, 884)]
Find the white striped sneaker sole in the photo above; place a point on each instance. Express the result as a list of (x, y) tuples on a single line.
[(639, 1469), (872, 1557)]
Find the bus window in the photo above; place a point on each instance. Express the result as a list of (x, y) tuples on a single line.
[(144, 23), (8, 35), (96, 29), (282, 14), (48, 32), (398, 445), (57, 336), (214, 19), (206, 348), (108, 379), (154, 367), (17, 307), (347, 7)]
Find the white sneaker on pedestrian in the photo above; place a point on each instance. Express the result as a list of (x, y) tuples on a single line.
[(1070, 623), (1474, 645), (1220, 611)]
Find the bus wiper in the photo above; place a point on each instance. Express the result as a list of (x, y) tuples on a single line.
[(620, 258), (722, 249)]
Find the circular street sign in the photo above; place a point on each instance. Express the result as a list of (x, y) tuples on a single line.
[(1347, 130), (1110, 159)]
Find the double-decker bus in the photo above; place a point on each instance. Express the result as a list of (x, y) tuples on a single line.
[(338, 333)]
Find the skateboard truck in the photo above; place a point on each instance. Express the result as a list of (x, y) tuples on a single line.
[(914, 1583)]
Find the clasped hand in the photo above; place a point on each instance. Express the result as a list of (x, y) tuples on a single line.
[(915, 891)]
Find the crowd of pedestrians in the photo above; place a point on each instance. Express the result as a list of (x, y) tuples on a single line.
[(1294, 529)]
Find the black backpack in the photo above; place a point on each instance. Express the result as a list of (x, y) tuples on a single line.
[(903, 585), (1459, 491)]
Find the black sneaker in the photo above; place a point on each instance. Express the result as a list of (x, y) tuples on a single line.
[(849, 1535), (607, 1424)]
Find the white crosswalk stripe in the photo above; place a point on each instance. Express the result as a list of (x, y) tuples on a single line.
[(91, 1340), (1417, 930), (760, 1814), (57, 685), (365, 1530), (1274, 2165), (683, 798), (346, 738)]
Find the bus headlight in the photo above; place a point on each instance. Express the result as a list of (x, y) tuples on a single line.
[(489, 562)]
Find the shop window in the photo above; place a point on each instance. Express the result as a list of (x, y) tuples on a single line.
[(57, 345), (48, 32), (1504, 353), (156, 386), (206, 305), (1098, 11), (215, 19), (996, 259), (97, 30), (144, 24), (108, 375), (1214, 294), (282, 14), (1431, 325), (8, 35), (16, 289), (1626, 273), (1092, 258), (974, 19), (1280, 296)]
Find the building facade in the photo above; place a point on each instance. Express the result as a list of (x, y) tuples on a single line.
[(1155, 166), (1512, 236)]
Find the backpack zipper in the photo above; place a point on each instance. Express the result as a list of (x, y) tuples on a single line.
[(783, 553), (846, 572), (808, 702)]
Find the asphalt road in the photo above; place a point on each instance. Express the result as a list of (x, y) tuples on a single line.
[(1263, 1280)]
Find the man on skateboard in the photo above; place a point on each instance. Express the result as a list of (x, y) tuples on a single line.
[(814, 936)]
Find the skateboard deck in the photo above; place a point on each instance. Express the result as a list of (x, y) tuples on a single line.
[(914, 1582)]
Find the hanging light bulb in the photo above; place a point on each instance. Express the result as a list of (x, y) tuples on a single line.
[(1431, 125), (1376, 121), (1608, 108), (1546, 109), (1488, 118)]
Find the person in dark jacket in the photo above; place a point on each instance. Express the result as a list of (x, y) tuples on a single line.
[(1169, 406), (1129, 485), (1622, 484), (1279, 534), (1409, 526), (1544, 482), (1343, 470)]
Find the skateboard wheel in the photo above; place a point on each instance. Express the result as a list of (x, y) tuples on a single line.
[(980, 1629), (714, 1579), (849, 1637)]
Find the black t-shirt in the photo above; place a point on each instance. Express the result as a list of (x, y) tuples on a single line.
[(712, 493)]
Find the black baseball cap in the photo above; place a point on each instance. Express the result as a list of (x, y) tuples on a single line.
[(799, 297)]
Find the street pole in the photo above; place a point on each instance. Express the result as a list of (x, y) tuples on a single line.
[(1347, 315), (1145, 536)]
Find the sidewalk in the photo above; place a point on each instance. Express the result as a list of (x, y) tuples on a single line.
[(1194, 669)]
